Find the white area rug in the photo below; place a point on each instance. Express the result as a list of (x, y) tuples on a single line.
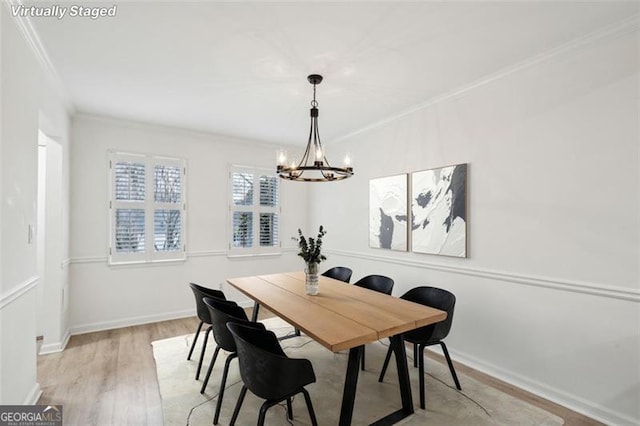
[(476, 405)]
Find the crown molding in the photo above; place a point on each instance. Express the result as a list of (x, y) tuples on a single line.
[(617, 29), (33, 40), (151, 126)]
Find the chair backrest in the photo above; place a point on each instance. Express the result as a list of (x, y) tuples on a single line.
[(436, 298), (223, 312), (256, 350), (341, 273), (264, 368), (378, 283), (200, 293)]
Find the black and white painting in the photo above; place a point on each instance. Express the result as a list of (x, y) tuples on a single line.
[(388, 212), (439, 211)]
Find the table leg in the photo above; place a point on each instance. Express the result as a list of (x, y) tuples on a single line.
[(350, 385), (397, 345), (256, 308)]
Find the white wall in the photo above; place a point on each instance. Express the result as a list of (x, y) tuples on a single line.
[(20, 87), (549, 296), (27, 93), (104, 296), (2, 315)]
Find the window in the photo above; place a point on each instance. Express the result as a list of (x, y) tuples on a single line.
[(147, 208), (254, 211)]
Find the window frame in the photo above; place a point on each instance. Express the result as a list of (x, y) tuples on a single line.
[(149, 205), (256, 209)]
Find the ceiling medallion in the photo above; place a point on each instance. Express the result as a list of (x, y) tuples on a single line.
[(314, 166)]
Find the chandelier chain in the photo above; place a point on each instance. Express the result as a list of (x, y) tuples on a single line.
[(314, 103)]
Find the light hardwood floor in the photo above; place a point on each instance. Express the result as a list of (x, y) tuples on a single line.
[(109, 377)]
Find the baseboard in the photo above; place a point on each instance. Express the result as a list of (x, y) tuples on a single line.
[(128, 322), (560, 397), (51, 348), (34, 395)]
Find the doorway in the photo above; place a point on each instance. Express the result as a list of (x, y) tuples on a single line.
[(51, 290)]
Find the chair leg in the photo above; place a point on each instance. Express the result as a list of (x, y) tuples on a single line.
[(263, 411), (195, 339), (362, 359), (223, 383), (289, 409), (385, 365), (213, 361), (204, 347), (453, 370), (312, 413), (415, 355), (236, 410), (421, 373)]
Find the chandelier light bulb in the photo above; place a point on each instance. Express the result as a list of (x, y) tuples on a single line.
[(347, 162), (282, 157)]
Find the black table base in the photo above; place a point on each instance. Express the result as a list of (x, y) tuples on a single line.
[(351, 382)]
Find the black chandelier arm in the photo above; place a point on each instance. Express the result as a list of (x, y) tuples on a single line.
[(305, 156), (328, 173), (305, 179), (317, 168)]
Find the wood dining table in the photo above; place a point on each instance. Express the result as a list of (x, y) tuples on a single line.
[(344, 317)]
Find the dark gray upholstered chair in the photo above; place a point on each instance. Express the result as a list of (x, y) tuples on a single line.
[(429, 335), (378, 283), (340, 273), (200, 293), (223, 312), (268, 373)]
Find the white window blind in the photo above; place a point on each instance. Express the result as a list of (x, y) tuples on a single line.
[(129, 231), (148, 208), (254, 211)]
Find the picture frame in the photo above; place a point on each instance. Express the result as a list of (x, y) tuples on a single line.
[(439, 211), (388, 220)]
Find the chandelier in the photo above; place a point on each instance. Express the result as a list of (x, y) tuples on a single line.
[(314, 166)]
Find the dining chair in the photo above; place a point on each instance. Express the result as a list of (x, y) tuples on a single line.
[(433, 334), (340, 273), (223, 312), (200, 293), (268, 373), (378, 283)]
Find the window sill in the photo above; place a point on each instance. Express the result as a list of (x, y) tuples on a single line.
[(142, 263), (240, 256)]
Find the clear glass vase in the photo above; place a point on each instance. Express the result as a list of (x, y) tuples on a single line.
[(311, 281)]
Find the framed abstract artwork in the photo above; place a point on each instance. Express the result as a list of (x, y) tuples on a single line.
[(388, 226), (439, 211)]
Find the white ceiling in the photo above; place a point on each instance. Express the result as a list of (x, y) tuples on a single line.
[(240, 68)]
